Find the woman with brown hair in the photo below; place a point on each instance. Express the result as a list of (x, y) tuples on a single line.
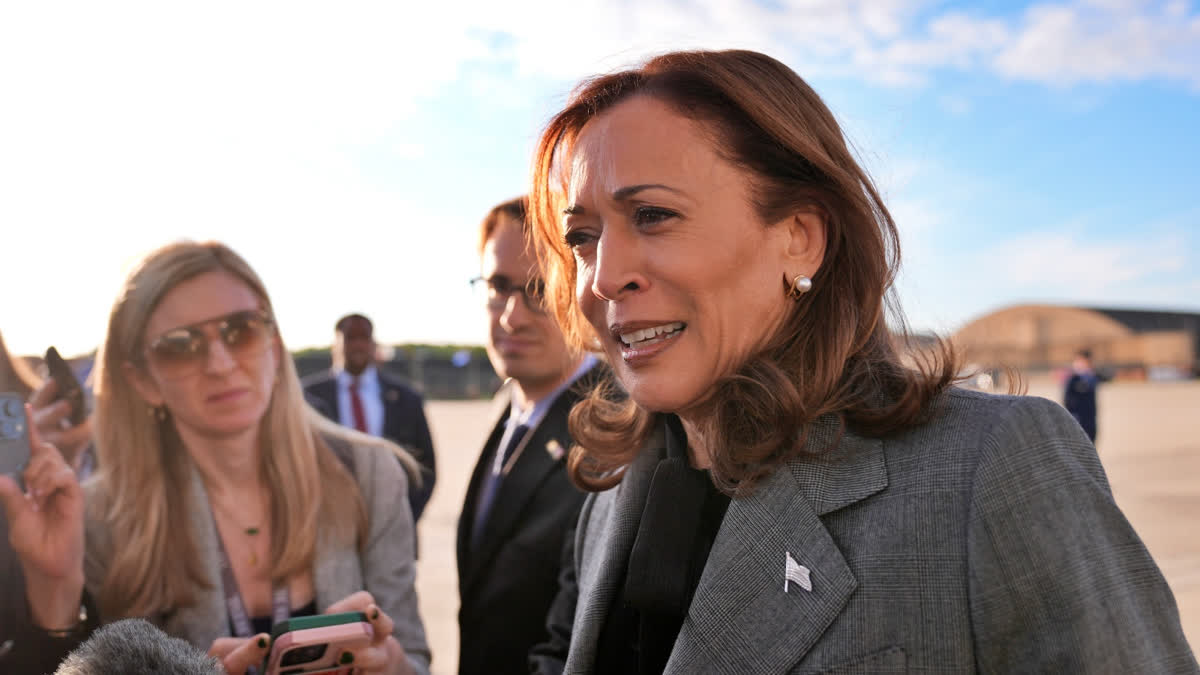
[(785, 489), (223, 503)]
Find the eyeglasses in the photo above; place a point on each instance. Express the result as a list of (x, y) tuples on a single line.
[(499, 287), (183, 351)]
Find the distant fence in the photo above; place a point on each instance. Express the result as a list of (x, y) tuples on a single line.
[(466, 375)]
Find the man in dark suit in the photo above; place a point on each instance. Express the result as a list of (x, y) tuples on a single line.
[(358, 395), (520, 505), (1079, 393)]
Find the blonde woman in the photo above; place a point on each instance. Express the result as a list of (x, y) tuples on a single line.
[(222, 502)]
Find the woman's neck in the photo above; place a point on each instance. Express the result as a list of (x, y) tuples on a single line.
[(229, 466), (698, 452)]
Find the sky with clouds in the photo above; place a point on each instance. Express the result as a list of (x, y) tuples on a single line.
[(1044, 152)]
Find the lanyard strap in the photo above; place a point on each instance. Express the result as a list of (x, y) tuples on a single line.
[(280, 608)]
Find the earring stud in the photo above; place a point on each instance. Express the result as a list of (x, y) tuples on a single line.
[(800, 285)]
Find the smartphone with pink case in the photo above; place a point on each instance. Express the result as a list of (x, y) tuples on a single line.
[(314, 644)]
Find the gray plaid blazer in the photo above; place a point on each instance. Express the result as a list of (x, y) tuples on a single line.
[(986, 540)]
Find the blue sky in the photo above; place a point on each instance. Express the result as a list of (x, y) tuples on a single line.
[(1044, 152)]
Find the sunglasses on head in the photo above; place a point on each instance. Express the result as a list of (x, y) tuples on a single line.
[(183, 351)]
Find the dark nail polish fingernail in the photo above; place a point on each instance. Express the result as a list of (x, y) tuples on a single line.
[(347, 657), (262, 643), (375, 614)]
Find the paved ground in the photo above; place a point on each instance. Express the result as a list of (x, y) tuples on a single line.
[(1149, 443)]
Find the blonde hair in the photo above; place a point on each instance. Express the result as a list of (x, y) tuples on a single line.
[(144, 470)]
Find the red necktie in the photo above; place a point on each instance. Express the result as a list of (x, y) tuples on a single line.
[(356, 406)]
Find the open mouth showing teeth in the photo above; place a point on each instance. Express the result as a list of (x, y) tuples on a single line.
[(652, 335)]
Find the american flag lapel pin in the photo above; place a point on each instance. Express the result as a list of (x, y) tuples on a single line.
[(554, 449), (795, 573)]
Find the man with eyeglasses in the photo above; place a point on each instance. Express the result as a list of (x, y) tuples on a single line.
[(520, 505), (357, 394)]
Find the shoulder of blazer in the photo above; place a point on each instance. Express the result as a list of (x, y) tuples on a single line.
[(404, 391), (318, 379), (343, 450)]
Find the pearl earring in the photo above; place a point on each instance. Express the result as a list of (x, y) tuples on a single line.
[(799, 286)]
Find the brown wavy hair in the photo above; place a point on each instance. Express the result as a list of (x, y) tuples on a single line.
[(835, 353)]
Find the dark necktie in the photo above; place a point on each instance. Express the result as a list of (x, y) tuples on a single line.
[(491, 485), (356, 406)]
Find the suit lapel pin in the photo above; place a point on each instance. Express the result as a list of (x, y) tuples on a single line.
[(795, 573), (554, 449)]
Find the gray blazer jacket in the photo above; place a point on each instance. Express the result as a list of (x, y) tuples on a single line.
[(386, 568), (984, 541)]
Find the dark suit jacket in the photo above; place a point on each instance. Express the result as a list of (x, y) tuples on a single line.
[(984, 541), (403, 423), (508, 582)]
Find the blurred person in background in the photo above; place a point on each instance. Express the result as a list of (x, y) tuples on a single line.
[(18, 378), (781, 492), (222, 503), (1079, 393), (356, 393), (50, 412), (15, 374), (50, 415), (520, 504)]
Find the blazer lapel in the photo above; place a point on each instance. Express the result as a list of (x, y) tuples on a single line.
[(467, 562), (208, 618), (741, 617), (611, 526), (532, 468), (326, 390)]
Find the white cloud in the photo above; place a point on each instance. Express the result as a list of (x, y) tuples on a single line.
[(898, 42), (1072, 264), (951, 41), (1093, 41)]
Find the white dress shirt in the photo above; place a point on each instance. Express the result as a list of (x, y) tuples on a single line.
[(371, 396)]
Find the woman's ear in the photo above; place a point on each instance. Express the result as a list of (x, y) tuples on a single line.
[(143, 384), (805, 250)]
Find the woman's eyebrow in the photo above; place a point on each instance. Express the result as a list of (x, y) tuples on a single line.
[(626, 193), (621, 195)]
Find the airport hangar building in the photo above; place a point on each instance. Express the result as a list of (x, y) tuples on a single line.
[(1124, 342)]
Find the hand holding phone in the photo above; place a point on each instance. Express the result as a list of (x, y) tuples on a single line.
[(315, 644), (45, 518), (67, 385)]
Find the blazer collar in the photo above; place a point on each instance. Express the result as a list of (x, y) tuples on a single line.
[(208, 617), (740, 613), (530, 470), (609, 529), (838, 468)]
